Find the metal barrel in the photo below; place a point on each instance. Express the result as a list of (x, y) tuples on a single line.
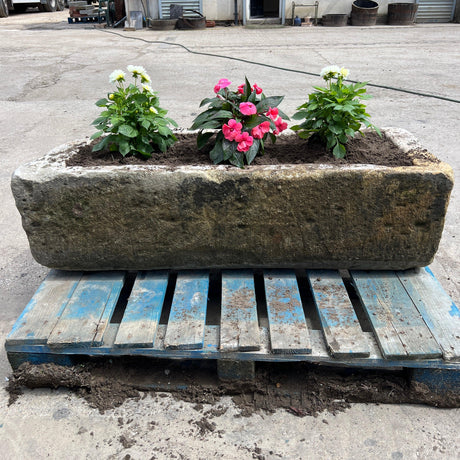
[(364, 13), (402, 14)]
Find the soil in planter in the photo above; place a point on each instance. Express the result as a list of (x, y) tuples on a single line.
[(301, 389), (370, 149)]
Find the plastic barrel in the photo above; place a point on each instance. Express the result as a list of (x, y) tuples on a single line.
[(364, 13), (401, 14), (335, 20)]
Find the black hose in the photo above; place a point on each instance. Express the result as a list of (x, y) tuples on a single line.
[(263, 64)]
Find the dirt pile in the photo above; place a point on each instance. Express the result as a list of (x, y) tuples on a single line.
[(301, 389)]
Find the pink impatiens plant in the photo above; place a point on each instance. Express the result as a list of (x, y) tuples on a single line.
[(241, 121)]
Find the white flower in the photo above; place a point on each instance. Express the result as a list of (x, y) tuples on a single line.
[(152, 109), (145, 78), (136, 70), (117, 75), (147, 88), (329, 72), (344, 72)]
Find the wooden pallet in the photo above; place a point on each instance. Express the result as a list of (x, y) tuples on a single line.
[(372, 319)]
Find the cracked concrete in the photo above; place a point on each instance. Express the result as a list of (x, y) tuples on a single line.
[(55, 423)]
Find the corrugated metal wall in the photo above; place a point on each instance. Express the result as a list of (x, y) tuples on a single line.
[(187, 5), (435, 11)]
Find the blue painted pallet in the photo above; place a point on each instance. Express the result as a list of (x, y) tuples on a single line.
[(374, 319)]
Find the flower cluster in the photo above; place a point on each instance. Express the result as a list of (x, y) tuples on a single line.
[(243, 121), (334, 71), (132, 119), (334, 114)]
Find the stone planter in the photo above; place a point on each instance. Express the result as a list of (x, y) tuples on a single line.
[(152, 217)]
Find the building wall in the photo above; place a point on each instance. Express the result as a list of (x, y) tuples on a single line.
[(223, 10)]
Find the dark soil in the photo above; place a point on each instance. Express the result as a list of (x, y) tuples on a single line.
[(301, 389), (370, 149)]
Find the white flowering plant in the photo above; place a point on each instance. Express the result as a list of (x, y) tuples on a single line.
[(334, 114), (132, 119), (242, 120)]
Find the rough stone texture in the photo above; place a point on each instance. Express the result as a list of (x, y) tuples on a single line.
[(148, 217)]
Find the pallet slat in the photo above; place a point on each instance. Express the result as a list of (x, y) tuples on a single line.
[(143, 310), (188, 311), (286, 318), (343, 333), (438, 310), (44, 309), (399, 327), (239, 327), (88, 312)]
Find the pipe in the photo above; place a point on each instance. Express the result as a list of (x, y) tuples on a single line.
[(236, 12)]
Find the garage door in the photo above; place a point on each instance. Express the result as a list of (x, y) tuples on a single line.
[(435, 10)]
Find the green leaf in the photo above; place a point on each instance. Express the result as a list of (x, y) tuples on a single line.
[(229, 148), (282, 114), (217, 153), (164, 131), (339, 150), (99, 120), (202, 139), (247, 88), (124, 148), (304, 134), (145, 123), (208, 100), (128, 131), (210, 114), (299, 115), (102, 102), (272, 101), (253, 151), (97, 134)]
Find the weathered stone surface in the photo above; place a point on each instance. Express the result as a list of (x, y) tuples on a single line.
[(148, 217)]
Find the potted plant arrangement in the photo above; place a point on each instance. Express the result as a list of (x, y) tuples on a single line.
[(232, 212)]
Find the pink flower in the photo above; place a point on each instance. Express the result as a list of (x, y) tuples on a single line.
[(272, 113), (280, 124), (248, 108), (260, 130), (244, 141), (265, 127), (222, 83), (232, 129), (241, 89), (256, 88)]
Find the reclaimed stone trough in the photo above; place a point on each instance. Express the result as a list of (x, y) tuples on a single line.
[(139, 217)]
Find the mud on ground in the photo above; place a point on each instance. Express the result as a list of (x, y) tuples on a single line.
[(301, 389)]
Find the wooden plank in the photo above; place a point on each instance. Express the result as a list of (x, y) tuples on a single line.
[(188, 311), (88, 312), (287, 324), (342, 331), (143, 310), (239, 326), (44, 309), (438, 310), (399, 327)]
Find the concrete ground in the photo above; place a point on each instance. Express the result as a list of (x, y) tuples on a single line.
[(52, 73)]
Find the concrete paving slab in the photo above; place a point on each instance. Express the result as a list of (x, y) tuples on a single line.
[(52, 74)]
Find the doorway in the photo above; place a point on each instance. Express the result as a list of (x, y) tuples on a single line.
[(264, 9)]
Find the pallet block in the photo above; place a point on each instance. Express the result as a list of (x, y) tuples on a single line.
[(361, 319)]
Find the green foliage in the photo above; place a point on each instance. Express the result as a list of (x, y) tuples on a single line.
[(334, 114), (132, 118), (241, 122)]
